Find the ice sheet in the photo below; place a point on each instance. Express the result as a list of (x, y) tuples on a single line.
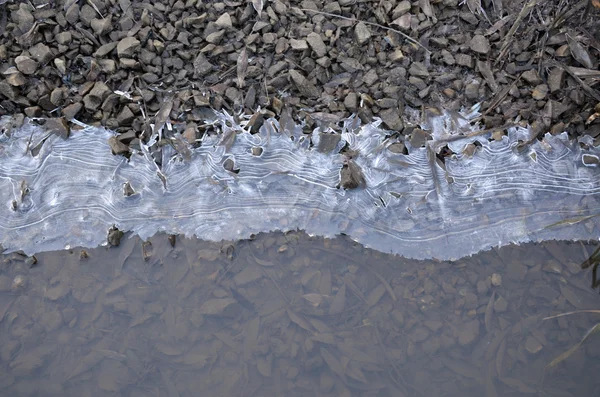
[(414, 205)]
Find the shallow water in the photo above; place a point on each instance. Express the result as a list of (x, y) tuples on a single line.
[(293, 315)]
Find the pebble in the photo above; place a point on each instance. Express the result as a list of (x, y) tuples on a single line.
[(362, 33), (468, 332), (127, 47), (540, 92), (496, 280), (316, 43), (464, 60), (58, 126), (26, 65), (224, 21), (418, 69), (299, 45)]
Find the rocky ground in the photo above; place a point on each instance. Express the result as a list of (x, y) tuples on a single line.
[(129, 64)]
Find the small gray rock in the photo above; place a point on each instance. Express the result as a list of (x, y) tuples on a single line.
[(71, 111), (127, 47), (305, 87), (26, 65), (464, 60), (351, 102), (418, 69), (392, 119), (58, 126), (299, 45), (317, 44), (480, 44), (362, 33), (201, 65)]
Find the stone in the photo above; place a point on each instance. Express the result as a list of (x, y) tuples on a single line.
[(23, 17), (125, 116), (362, 33), (127, 47), (299, 45), (96, 96), (403, 22), (224, 21), (58, 126), (540, 92), (351, 102), (201, 66), (496, 280), (71, 111), (305, 87), (464, 60), (101, 26), (392, 119), (26, 65), (556, 78), (41, 53), (117, 147), (16, 79), (532, 77), (64, 38), (105, 49), (33, 111), (468, 332), (215, 37), (316, 43), (402, 8), (57, 96), (418, 69)]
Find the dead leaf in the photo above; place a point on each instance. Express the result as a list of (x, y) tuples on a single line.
[(333, 363), (375, 295), (242, 67), (87, 363), (258, 6), (489, 310), (325, 282), (300, 321), (353, 370), (339, 301), (579, 52), (163, 115), (251, 337), (596, 3), (223, 307), (324, 338), (314, 299)]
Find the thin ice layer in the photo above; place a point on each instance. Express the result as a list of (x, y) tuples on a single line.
[(412, 205)]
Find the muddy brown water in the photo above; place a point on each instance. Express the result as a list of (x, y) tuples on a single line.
[(293, 315)]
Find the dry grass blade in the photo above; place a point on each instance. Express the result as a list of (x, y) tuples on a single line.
[(570, 313), (407, 37), (565, 355), (589, 90), (242, 67), (508, 38)]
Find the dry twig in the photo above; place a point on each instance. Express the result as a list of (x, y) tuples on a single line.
[(407, 37)]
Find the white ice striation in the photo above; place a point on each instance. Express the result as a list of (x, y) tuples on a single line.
[(509, 190)]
